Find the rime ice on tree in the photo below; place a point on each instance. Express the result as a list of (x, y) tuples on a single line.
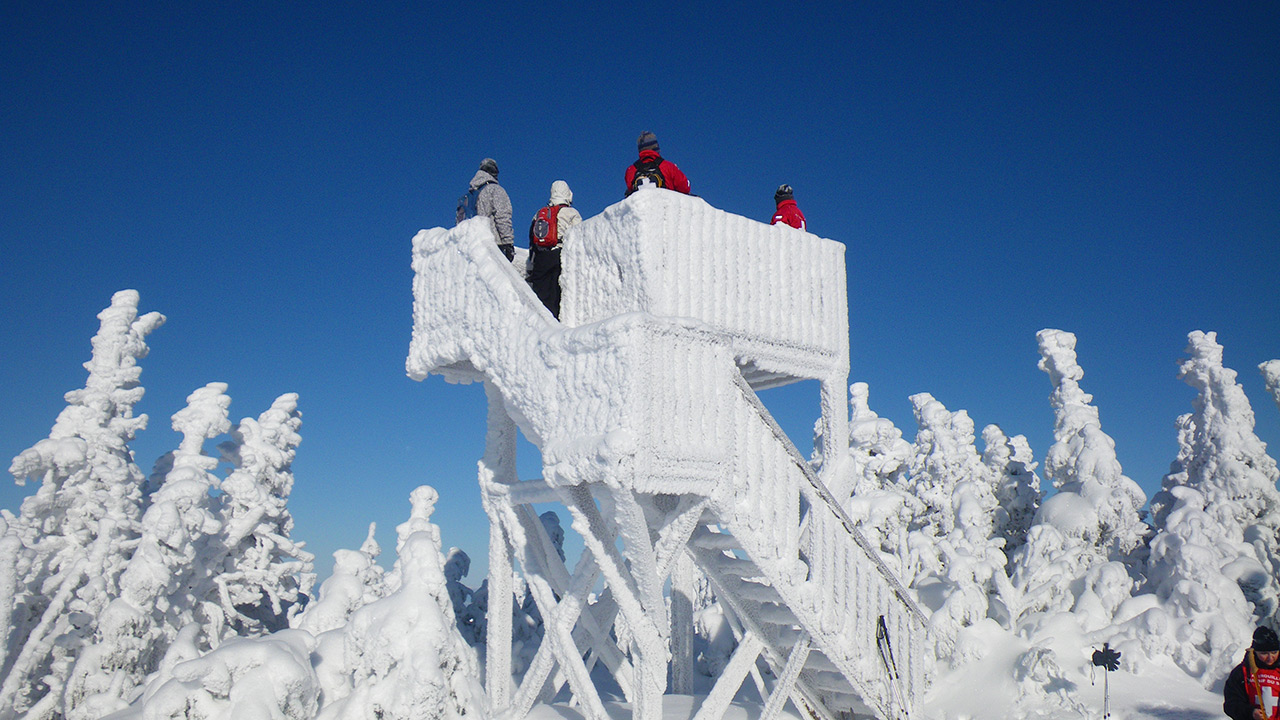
[(955, 560), (159, 587), (1214, 557), (1095, 517), (61, 558), (1017, 487), (642, 402), (270, 574), (1271, 374)]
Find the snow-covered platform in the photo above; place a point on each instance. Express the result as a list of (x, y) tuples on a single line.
[(643, 405), (775, 294)]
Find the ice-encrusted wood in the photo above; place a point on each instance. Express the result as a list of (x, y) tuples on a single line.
[(775, 293), (820, 566), (630, 395), (644, 391)]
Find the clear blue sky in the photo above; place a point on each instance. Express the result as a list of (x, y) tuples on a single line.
[(1111, 169)]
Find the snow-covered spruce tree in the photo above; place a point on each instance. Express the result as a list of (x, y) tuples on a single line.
[(1017, 486), (180, 536), (265, 576), (1271, 374), (1217, 517), (356, 581), (1095, 517), (878, 461), (64, 553), (456, 566), (422, 502), (403, 657), (959, 567)]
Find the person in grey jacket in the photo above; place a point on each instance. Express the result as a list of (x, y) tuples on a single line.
[(492, 202)]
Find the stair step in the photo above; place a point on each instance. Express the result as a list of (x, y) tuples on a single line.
[(776, 614), (844, 702), (819, 662), (715, 541), (740, 567), (828, 682), (753, 591)]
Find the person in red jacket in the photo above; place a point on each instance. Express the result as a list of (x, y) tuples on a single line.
[(1253, 687), (651, 169), (787, 211)]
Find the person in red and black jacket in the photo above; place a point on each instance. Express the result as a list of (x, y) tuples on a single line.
[(787, 211), (1252, 690), (651, 169)]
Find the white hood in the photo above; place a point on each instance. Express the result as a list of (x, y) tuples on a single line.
[(560, 193)]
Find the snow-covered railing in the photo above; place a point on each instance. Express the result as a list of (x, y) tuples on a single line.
[(777, 293), (634, 397), (820, 564)]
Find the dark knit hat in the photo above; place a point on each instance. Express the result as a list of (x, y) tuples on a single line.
[(647, 141), (784, 193), (490, 166), (1265, 640)]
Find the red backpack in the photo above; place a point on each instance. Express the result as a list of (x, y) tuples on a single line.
[(543, 232)]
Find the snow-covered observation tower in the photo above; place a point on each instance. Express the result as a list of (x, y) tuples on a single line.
[(643, 404)]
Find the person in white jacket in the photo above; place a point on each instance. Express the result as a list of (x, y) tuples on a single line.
[(547, 233)]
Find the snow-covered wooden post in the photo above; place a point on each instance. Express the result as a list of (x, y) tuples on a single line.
[(835, 434), (498, 466), (683, 581)]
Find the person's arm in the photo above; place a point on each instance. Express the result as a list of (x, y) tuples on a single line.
[(629, 177), (502, 215), (1235, 702), (566, 219), (679, 182)]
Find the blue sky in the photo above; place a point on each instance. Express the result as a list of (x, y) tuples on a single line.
[(1111, 169)]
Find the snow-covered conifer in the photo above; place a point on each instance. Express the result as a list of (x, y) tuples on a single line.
[(356, 581), (1217, 517), (404, 657), (456, 566), (158, 596), (1017, 486), (1095, 517), (551, 523), (878, 461), (260, 677), (1082, 461), (266, 575), (1271, 374), (66, 549), (959, 566)]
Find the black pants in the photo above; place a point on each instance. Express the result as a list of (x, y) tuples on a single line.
[(544, 277)]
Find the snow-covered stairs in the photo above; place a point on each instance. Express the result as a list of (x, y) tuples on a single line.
[(632, 407), (788, 561)]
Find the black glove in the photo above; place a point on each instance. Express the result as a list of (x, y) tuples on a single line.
[(1106, 658)]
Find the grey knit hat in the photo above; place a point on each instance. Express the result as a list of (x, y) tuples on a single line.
[(490, 166), (647, 141), (784, 193)]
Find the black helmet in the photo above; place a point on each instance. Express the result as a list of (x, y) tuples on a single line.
[(784, 193)]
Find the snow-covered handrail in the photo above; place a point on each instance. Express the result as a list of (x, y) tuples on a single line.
[(821, 565)]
